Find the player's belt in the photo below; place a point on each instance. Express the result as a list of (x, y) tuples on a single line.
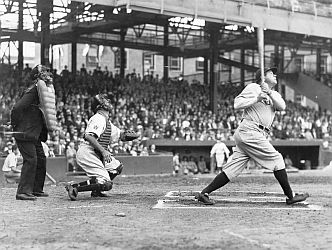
[(266, 129)]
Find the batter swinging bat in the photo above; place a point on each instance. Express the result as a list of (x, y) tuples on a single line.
[(260, 40)]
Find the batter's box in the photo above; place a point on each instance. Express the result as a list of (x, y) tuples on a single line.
[(231, 200)]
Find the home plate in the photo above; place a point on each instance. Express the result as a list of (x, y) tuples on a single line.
[(232, 200)]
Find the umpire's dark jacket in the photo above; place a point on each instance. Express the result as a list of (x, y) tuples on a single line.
[(27, 118)]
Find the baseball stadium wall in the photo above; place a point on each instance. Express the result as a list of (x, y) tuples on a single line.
[(57, 170), (305, 154)]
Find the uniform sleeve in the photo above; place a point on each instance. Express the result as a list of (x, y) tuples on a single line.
[(247, 97), (213, 151), (278, 102), (96, 125)]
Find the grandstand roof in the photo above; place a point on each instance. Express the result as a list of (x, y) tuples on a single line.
[(102, 21)]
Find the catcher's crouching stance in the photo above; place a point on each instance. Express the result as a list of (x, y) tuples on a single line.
[(93, 155)]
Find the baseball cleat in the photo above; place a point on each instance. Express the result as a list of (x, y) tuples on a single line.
[(204, 198), (115, 173), (297, 198), (72, 192), (96, 193)]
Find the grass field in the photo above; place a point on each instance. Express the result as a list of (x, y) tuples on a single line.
[(159, 212)]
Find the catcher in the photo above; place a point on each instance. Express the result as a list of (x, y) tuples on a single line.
[(93, 155)]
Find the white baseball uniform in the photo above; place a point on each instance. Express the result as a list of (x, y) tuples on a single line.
[(86, 156), (251, 135), (220, 151)]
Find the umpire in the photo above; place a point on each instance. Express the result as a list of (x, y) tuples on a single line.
[(259, 103), (29, 126)]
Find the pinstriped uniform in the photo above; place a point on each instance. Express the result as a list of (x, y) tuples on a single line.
[(251, 135)]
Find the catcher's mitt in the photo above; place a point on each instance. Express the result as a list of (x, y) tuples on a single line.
[(128, 135)]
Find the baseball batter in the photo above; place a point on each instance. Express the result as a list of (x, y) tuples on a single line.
[(93, 156), (259, 103)]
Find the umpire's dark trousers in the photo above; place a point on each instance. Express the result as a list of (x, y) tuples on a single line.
[(34, 167)]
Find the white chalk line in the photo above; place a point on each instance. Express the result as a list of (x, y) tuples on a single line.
[(162, 205), (252, 241), (176, 196), (233, 199), (58, 208), (226, 194)]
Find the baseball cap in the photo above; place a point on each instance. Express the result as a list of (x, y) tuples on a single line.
[(258, 72)]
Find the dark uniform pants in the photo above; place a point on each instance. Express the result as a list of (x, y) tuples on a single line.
[(34, 167)]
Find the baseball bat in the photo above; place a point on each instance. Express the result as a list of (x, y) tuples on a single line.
[(260, 40)]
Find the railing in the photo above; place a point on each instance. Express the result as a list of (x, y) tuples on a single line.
[(317, 8)]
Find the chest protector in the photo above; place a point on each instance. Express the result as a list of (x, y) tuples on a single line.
[(46, 95), (106, 137)]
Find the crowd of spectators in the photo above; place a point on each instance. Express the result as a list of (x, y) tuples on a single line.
[(156, 109)]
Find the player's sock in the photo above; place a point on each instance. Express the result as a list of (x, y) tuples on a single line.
[(281, 176), (96, 187), (219, 181), (90, 187), (85, 183)]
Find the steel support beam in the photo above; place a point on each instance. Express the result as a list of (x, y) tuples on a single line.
[(73, 58), (214, 36), (45, 8), (234, 12), (206, 70), (241, 68), (122, 53), (20, 42), (236, 64), (318, 62), (166, 43)]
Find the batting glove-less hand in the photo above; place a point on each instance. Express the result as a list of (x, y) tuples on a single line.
[(128, 135)]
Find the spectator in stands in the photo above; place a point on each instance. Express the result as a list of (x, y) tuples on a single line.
[(152, 149), (60, 147), (11, 169), (27, 70), (134, 150), (83, 71), (148, 132), (192, 166), (289, 162), (106, 73), (51, 150), (71, 157), (145, 151), (308, 134), (185, 165), (65, 72), (202, 166)]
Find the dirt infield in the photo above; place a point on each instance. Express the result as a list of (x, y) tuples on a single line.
[(160, 213)]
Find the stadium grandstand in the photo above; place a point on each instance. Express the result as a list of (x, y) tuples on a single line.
[(172, 69), (120, 125)]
